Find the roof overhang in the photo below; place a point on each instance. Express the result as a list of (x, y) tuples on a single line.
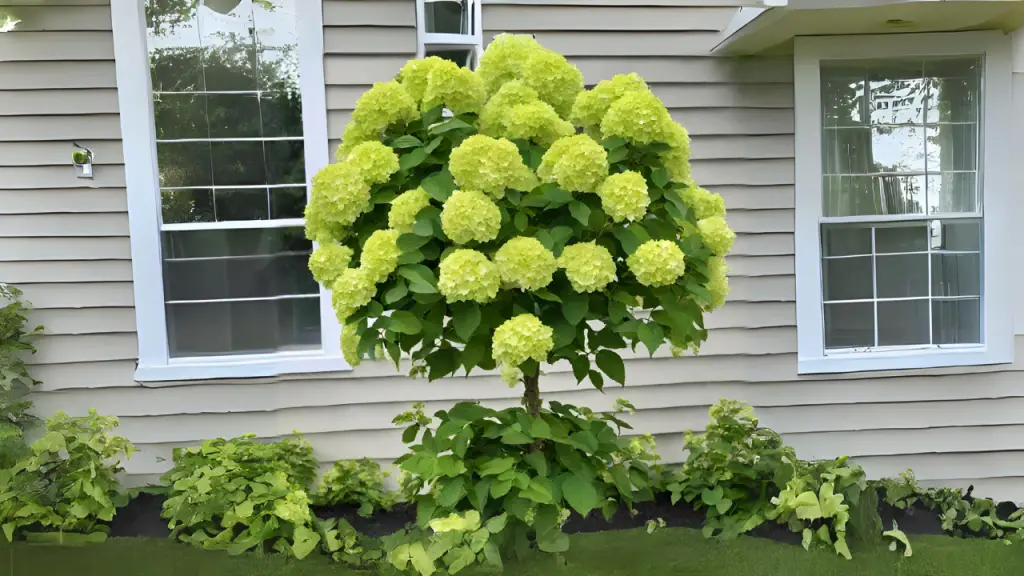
[(769, 27)]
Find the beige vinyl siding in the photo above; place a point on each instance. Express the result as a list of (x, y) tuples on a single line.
[(954, 426)]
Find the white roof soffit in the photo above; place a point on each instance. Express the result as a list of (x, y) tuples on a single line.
[(769, 26)]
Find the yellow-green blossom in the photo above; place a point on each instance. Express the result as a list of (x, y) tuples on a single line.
[(350, 344), (588, 266), (704, 203), (328, 261), (414, 75), (624, 196), (677, 158), (522, 338), (591, 106), (456, 88), (556, 81), (345, 194), (576, 163), (490, 165), (657, 263), (380, 254), (511, 375), (718, 282), (470, 216), (525, 263), (716, 234), (405, 208), (504, 59), (511, 94), (353, 289), (384, 104), (294, 507), (638, 117), (320, 227), (536, 121), (375, 161), (468, 275), (354, 135)]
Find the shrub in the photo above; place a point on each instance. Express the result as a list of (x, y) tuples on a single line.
[(15, 380), (68, 483), (238, 495), (356, 482)]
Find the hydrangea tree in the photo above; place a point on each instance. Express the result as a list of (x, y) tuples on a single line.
[(509, 219)]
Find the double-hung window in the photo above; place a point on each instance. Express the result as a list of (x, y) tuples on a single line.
[(224, 123), (901, 201), (450, 29)]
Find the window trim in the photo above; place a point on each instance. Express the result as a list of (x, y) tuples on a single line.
[(996, 195), (475, 39), (138, 134)]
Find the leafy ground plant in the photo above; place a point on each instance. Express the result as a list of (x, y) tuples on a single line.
[(68, 483), (15, 381), (356, 482)]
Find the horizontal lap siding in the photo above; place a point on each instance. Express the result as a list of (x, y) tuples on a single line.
[(954, 426), (64, 240)]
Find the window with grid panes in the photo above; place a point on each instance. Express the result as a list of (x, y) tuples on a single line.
[(450, 29), (901, 228), (228, 119)]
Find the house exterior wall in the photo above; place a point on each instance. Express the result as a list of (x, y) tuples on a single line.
[(65, 242)]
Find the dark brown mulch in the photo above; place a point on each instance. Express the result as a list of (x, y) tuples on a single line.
[(914, 520), (380, 524), (140, 517)]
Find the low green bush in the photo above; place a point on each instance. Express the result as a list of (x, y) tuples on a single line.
[(238, 495), (68, 483), (15, 381), (356, 482)]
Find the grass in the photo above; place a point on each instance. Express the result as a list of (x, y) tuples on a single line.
[(670, 552)]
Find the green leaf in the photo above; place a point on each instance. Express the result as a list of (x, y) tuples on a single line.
[(439, 185), (305, 541), (449, 125), (406, 141), (420, 559), (497, 523), (627, 239), (538, 462), (617, 155), (723, 505), (580, 494), (412, 159), (660, 177), (493, 556), (495, 466), (515, 436), (452, 493), (580, 367), (540, 491), (574, 306), (611, 364), (521, 221), (553, 541), (405, 322), (556, 196), (613, 143), (596, 379), (466, 318), (396, 293), (474, 352), (652, 335), (421, 279), (711, 497), (433, 145), (442, 363), (410, 242), (579, 211)]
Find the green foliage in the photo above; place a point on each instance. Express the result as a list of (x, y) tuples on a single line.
[(341, 541), (238, 495), (528, 471), (15, 380), (68, 482), (356, 482), (454, 543), (898, 537)]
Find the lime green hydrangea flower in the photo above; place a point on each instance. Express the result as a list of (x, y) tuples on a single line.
[(588, 266), (350, 344), (293, 508), (576, 163), (504, 59), (456, 88), (328, 261), (638, 117), (704, 203), (353, 289), (525, 263), (556, 81), (414, 75), (536, 121), (490, 165), (677, 158), (511, 375), (657, 263), (470, 216), (405, 208), (624, 196), (522, 338), (319, 227), (468, 275), (384, 104), (716, 234), (511, 94), (354, 135), (375, 161), (590, 107), (380, 255), (345, 194), (718, 282)]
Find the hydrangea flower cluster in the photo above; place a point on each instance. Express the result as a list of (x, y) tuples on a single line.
[(704, 203), (376, 161), (353, 289), (328, 261), (467, 275), (512, 57), (405, 208), (717, 235), (525, 263), (657, 263), (454, 87), (718, 283), (520, 339), (490, 165), (382, 105), (624, 196), (637, 117), (380, 255), (588, 266), (350, 344), (590, 107), (575, 163), (470, 216)]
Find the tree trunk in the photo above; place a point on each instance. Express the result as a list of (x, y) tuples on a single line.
[(531, 397)]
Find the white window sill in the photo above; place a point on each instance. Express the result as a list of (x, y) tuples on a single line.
[(254, 366), (904, 359)]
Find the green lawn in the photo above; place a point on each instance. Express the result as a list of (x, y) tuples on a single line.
[(671, 552)]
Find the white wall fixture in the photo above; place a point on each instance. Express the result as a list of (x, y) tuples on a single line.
[(83, 160)]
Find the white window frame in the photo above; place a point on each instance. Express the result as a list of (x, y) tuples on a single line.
[(144, 207), (474, 39), (995, 185)]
